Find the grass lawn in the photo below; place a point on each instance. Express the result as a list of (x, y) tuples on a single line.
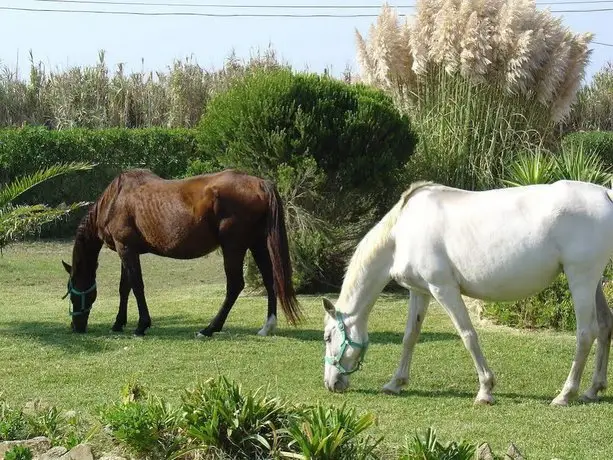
[(41, 358)]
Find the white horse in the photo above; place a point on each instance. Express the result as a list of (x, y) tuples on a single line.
[(496, 245)]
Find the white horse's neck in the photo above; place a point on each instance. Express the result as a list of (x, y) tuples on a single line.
[(368, 271)]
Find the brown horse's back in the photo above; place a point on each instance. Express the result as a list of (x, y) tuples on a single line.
[(182, 219)]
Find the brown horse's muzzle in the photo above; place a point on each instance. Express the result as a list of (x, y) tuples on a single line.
[(79, 323)]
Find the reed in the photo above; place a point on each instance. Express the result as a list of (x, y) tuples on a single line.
[(479, 79)]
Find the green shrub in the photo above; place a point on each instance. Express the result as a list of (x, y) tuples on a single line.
[(428, 447), (326, 144), (220, 414), (13, 423), (167, 152), (597, 142), (148, 428), (220, 419), (62, 428), (18, 453), (333, 433)]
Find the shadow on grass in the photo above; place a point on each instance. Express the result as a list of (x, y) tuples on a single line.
[(512, 397), (176, 329), (55, 334)]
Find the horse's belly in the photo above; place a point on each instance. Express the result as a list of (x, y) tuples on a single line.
[(507, 279)]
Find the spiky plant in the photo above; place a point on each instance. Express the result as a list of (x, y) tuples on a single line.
[(574, 162), (18, 221), (428, 447), (477, 78)]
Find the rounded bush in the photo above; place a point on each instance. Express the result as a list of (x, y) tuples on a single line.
[(335, 150)]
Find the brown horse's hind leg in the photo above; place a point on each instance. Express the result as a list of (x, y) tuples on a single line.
[(262, 259), (124, 293), (233, 266), (131, 261)]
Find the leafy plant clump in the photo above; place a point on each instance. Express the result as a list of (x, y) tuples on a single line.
[(220, 414), (18, 453), (66, 429), (219, 418), (428, 447), (333, 434), (574, 162)]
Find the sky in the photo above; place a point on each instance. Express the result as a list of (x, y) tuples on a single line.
[(61, 40)]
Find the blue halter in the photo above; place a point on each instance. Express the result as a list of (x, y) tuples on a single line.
[(72, 290), (336, 360)]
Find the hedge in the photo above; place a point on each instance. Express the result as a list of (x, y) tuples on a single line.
[(600, 142), (168, 152)]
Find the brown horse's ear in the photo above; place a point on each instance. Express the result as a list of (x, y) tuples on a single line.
[(67, 267), (329, 307)]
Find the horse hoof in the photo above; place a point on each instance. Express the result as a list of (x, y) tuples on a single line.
[(484, 401), (116, 328), (559, 402), (204, 333), (390, 390), (587, 398), (139, 333)]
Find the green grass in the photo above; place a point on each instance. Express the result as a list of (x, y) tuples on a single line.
[(41, 358)]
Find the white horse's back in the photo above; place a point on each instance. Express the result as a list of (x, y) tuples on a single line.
[(502, 244)]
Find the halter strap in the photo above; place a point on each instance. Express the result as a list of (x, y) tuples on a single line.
[(72, 290), (336, 360)]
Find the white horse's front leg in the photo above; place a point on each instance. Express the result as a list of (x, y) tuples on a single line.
[(418, 306), (450, 298)]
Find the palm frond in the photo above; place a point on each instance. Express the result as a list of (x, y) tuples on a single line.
[(22, 184), (18, 221)]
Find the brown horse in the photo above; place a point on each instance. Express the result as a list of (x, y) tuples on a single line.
[(140, 213)]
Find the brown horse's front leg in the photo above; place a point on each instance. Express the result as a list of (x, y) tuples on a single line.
[(235, 283), (131, 261), (124, 292)]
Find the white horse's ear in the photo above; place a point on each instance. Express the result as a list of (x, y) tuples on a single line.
[(67, 267), (329, 307)]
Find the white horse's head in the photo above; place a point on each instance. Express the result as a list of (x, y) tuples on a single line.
[(345, 348)]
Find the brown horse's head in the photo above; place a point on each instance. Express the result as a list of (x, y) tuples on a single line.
[(82, 291)]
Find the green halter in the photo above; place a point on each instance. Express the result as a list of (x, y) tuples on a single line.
[(336, 360), (72, 290)]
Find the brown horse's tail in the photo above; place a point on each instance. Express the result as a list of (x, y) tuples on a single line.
[(278, 249)]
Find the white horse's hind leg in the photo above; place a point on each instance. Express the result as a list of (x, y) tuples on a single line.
[(451, 300), (603, 344), (418, 306), (582, 285)]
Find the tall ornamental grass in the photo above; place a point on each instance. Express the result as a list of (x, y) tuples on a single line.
[(97, 96), (479, 78)]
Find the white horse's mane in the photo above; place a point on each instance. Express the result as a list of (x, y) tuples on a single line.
[(377, 237)]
